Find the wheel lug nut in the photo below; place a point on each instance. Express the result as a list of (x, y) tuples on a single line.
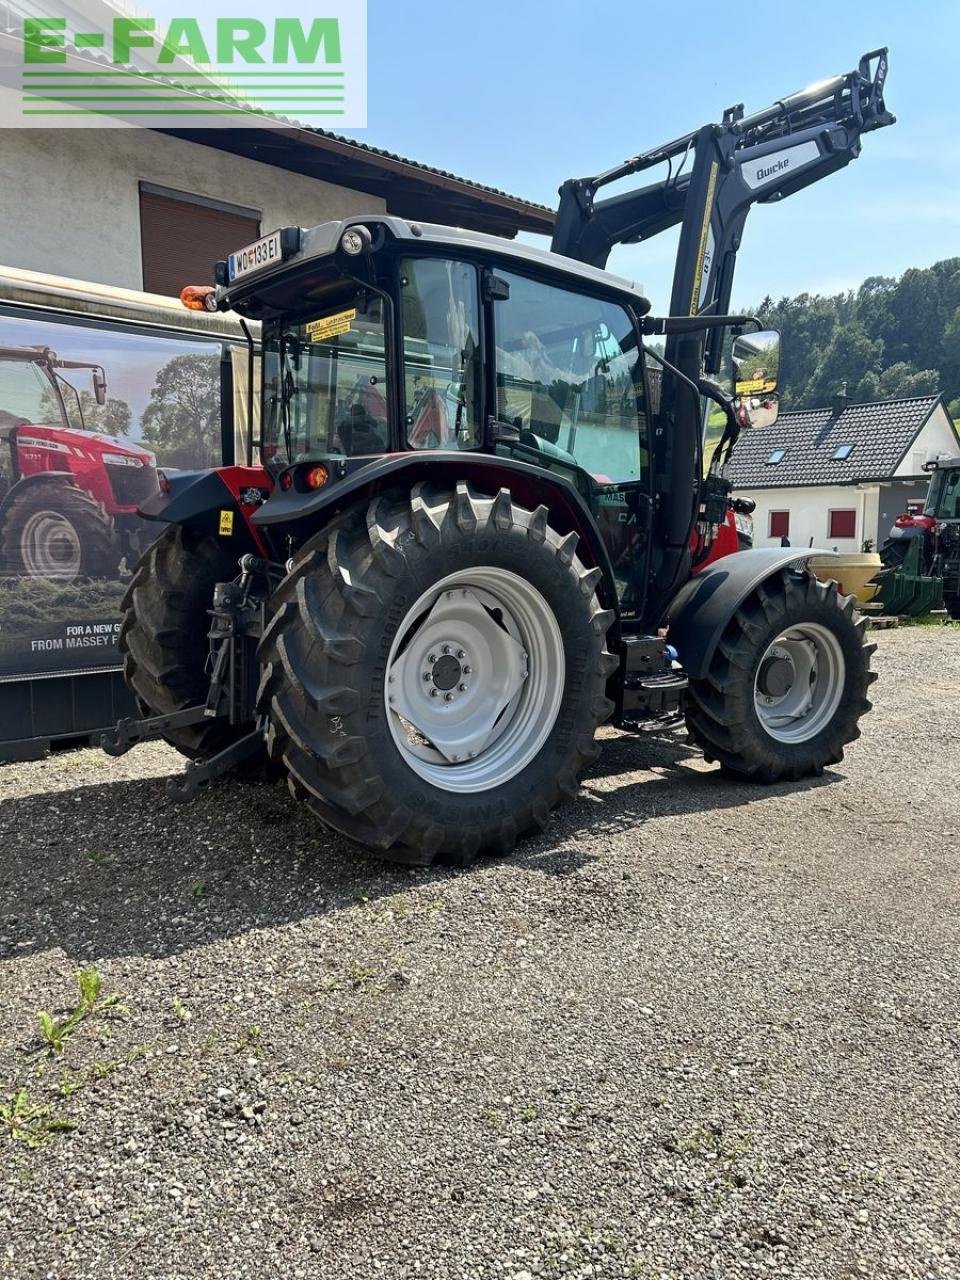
[(434, 693), (448, 697), (431, 657), (468, 671), (426, 675), (462, 688), (461, 654), (446, 649)]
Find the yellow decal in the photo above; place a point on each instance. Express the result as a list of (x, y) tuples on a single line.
[(704, 232), (330, 326), (226, 524), (753, 385)]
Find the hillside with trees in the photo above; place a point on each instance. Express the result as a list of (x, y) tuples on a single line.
[(889, 338)]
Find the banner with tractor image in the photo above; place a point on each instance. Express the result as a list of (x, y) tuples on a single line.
[(87, 415)]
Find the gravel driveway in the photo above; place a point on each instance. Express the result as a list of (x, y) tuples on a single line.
[(697, 1029)]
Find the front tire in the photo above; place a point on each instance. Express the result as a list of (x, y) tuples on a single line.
[(787, 684), (57, 531), (490, 627)]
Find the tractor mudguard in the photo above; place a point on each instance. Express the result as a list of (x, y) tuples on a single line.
[(214, 503), (699, 612), (304, 513), (31, 482)]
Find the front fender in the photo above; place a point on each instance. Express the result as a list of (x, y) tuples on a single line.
[(699, 612)]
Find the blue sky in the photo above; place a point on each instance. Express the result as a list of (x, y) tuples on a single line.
[(524, 94)]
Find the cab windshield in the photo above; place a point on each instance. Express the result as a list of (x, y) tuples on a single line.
[(325, 384), (944, 499)]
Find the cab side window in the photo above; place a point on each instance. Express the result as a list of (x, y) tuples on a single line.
[(569, 377), (441, 353)]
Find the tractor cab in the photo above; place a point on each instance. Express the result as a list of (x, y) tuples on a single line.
[(391, 338), (943, 496)]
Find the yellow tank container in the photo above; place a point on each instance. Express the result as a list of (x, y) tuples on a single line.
[(851, 570)]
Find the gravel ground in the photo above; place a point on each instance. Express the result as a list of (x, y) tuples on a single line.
[(697, 1029)]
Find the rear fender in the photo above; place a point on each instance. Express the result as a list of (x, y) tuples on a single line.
[(218, 503), (300, 515), (699, 612)]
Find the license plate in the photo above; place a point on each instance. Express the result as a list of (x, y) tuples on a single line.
[(264, 252)]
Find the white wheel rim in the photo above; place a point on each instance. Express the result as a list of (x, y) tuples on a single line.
[(799, 683), (470, 700), (50, 546)]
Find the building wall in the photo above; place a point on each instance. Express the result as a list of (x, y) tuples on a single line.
[(937, 439), (809, 508), (70, 199)]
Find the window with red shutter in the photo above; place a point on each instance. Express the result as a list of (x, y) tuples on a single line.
[(779, 524), (842, 524)]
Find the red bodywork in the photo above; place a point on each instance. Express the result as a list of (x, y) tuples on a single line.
[(88, 460), (908, 521), (250, 487)]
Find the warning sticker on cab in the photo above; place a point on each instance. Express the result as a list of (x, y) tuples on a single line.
[(752, 385), (226, 524), (330, 326)]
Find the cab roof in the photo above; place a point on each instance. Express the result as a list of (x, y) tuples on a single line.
[(246, 295)]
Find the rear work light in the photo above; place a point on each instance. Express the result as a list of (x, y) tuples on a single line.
[(163, 482), (316, 477), (199, 297)]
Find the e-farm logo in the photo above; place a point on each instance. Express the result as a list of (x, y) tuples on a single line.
[(219, 70)]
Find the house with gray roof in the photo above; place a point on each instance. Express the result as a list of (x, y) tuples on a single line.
[(838, 477)]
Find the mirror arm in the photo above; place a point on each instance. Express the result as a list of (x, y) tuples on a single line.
[(692, 324)]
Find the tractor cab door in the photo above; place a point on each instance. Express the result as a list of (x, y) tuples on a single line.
[(570, 380)]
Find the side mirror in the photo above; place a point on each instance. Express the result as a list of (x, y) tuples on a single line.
[(100, 386), (756, 374)]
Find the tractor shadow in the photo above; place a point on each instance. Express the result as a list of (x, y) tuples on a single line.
[(117, 869)]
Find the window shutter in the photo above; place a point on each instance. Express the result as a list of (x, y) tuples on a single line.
[(779, 524), (843, 524), (181, 241)]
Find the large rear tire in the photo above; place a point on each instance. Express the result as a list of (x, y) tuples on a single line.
[(56, 530), (163, 636), (434, 673), (787, 684)]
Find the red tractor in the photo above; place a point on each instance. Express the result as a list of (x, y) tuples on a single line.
[(471, 537), (921, 557), (69, 497)]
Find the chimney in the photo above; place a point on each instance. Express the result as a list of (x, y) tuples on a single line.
[(840, 400)]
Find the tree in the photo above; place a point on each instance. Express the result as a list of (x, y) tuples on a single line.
[(182, 420), (111, 419)]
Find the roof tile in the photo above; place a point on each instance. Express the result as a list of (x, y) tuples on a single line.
[(880, 433)]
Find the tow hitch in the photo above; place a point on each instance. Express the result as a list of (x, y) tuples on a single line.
[(238, 619)]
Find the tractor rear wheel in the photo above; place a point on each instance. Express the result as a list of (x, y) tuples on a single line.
[(163, 636), (434, 673), (787, 684), (56, 530)]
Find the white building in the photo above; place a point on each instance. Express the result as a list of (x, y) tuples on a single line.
[(838, 477), (152, 210)]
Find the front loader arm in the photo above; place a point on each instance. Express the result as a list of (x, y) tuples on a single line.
[(763, 157), (715, 174)]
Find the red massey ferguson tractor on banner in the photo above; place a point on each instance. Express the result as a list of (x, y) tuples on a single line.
[(471, 539), (68, 497)]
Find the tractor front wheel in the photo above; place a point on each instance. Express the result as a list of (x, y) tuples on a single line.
[(434, 673), (787, 684), (58, 531)]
